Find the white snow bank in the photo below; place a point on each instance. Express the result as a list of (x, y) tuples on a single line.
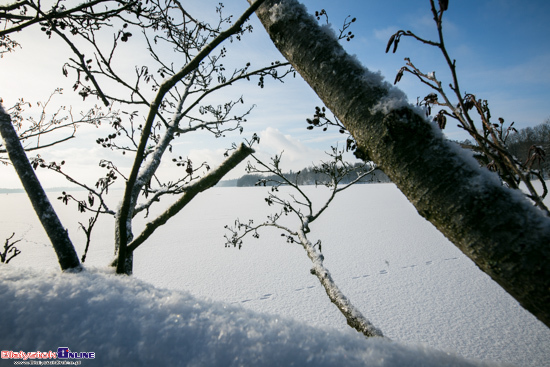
[(125, 321)]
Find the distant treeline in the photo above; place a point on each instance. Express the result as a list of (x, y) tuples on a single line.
[(520, 144), (48, 189), (309, 176)]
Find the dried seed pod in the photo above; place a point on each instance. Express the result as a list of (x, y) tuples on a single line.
[(392, 38), (441, 120), (395, 43), (399, 75)]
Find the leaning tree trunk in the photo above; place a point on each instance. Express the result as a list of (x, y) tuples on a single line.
[(64, 249), (497, 228)]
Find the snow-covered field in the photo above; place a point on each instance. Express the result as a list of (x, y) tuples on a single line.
[(402, 273)]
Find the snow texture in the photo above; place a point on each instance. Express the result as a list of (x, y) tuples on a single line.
[(400, 272), (486, 179), (127, 322), (395, 97), (284, 11)]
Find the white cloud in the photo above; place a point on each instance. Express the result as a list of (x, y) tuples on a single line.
[(212, 157), (534, 70), (385, 34), (274, 140), (296, 154)]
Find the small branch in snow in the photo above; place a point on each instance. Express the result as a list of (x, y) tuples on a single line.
[(10, 251), (335, 170)]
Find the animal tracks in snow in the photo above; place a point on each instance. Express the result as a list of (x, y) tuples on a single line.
[(267, 296)]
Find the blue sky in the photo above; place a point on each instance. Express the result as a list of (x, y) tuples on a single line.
[(501, 47)]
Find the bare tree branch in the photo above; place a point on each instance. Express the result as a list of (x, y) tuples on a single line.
[(190, 192), (495, 227), (124, 213), (336, 170)]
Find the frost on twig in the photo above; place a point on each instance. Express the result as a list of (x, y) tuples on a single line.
[(354, 317), (191, 191), (43, 126), (299, 205), (472, 114), (152, 106)]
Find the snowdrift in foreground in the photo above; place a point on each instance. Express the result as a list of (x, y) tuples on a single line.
[(125, 321)]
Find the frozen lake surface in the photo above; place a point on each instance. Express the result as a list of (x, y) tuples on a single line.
[(395, 267)]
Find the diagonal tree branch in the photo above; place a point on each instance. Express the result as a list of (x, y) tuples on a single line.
[(191, 191), (494, 226), (58, 236)]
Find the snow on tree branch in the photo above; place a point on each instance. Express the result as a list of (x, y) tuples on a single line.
[(497, 228), (335, 171)]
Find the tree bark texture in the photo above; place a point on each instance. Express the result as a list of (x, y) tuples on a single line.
[(496, 227), (64, 249)]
